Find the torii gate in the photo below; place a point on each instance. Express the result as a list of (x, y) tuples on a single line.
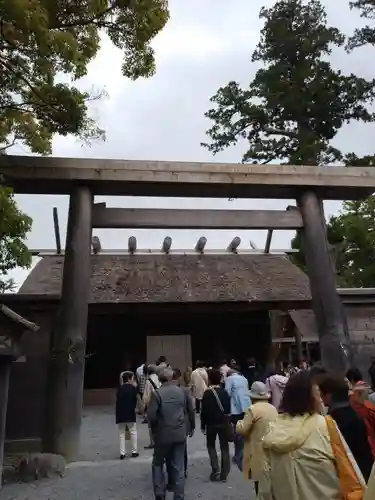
[(84, 178)]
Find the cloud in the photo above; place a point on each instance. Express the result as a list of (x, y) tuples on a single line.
[(206, 44)]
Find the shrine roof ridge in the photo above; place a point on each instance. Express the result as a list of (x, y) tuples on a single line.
[(52, 175)]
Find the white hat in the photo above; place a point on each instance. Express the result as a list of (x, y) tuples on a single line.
[(259, 391)]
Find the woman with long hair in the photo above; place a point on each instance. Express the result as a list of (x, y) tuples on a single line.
[(305, 454)]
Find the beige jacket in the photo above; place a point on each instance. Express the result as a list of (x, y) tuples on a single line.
[(253, 427), (199, 382), (149, 389), (299, 464)]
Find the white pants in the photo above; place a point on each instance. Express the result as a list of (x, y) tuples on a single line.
[(132, 428)]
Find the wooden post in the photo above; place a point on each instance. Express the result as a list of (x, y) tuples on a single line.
[(201, 243), (132, 244), (234, 244), (167, 244), (299, 346), (267, 247), (56, 227), (5, 364), (67, 360), (330, 318)]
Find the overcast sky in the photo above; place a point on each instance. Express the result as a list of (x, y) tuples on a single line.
[(205, 44)]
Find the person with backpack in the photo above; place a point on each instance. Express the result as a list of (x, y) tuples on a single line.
[(167, 411)]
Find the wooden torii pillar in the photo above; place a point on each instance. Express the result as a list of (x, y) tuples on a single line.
[(67, 360), (328, 309)]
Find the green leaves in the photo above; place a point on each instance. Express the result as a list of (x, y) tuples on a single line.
[(44, 39), (14, 226), (365, 35), (297, 102), (45, 42), (352, 235)]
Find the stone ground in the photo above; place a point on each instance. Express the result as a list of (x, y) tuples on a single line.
[(100, 475)]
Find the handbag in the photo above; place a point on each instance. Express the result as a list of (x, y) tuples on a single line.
[(352, 484), (228, 425)]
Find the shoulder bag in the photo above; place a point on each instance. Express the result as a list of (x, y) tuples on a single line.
[(228, 425), (352, 484)]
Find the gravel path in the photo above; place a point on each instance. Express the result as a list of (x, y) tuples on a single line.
[(99, 474)]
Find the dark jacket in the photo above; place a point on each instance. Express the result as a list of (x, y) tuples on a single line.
[(189, 418), (250, 373), (211, 414), (253, 373), (169, 410), (353, 428), (126, 403)]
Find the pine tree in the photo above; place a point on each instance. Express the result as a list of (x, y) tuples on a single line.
[(365, 35), (297, 102)]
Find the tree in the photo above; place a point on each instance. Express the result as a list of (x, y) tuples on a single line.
[(14, 225), (354, 230), (42, 40), (297, 102), (45, 47), (352, 235), (365, 35)]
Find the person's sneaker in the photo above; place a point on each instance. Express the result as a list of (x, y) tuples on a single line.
[(135, 455), (223, 479), (214, 477), (122, 457), (149, 447)]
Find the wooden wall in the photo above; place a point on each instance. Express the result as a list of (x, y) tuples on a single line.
[(361, 324), (28, 378)]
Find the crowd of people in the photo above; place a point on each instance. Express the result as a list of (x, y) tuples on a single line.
[(298, 433)]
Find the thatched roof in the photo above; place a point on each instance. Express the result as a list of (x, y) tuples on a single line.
[(180, 278)]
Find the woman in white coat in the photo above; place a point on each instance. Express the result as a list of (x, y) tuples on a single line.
[(199, 384)]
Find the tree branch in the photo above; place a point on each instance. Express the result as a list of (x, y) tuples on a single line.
[(19, 75), (86, 22), (4, 148), (287, 133)]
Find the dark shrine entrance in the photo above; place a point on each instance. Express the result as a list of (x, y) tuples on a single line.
[(215, 332)]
